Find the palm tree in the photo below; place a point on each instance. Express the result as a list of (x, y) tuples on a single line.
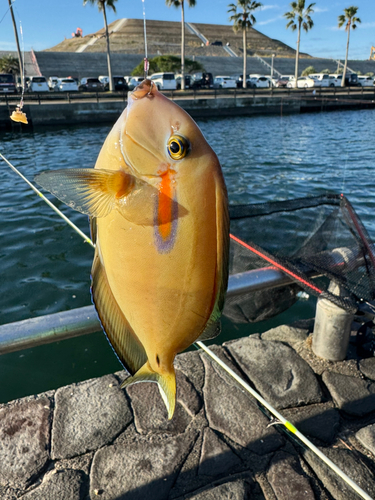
[(350, 21), (101, 6), (243, 21), (299, 17), (177, 4), (9, 64)]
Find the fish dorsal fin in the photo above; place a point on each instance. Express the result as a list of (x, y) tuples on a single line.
[(88, 190), (122, 338)]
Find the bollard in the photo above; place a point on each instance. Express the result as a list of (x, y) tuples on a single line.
[(332, 328)]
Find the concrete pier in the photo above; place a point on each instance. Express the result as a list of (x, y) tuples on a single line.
[(92, 440)]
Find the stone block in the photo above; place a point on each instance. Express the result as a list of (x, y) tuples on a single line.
[(145, 468), (216, 457), (150, 413), (350, 464), (232, 490), (286, 333), (320, 421), (235, 414), (367, 367), (61, 485), (366, 436), (24, 440), (287, 479), (281, 376), (87, 416), (351, 394)]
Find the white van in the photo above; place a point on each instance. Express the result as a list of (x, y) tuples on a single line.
[(164, 81), (321, 79)]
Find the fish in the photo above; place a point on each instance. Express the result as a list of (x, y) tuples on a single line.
[(158, 210)]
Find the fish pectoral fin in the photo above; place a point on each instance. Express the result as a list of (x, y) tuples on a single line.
[(166, 384), (120, 335), (88, 190)]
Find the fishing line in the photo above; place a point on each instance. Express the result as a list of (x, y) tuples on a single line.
[(291, 428), (146, 64), (68, 221), (280, 419)]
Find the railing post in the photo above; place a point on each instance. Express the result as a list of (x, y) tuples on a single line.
[(332, 328)]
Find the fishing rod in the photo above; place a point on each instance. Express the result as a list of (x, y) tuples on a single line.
[(279, 418)]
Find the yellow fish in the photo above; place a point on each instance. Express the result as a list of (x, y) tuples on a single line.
[(159, 218)]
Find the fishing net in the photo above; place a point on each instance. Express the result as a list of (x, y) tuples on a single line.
[(316, 242)]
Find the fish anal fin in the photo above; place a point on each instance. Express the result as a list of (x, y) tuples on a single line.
[(212, 330), (119, 333), (166, 384)]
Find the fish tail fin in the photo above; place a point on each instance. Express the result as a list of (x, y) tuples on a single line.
[(166, 384)]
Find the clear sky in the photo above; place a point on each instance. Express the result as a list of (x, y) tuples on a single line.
[(47, 22)]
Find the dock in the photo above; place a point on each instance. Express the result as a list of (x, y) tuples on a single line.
[(82, 108), (93, 440)]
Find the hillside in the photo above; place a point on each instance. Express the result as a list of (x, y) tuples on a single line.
[(164, 37)]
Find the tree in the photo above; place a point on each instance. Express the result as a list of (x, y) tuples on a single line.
[(20, 66), (243, 21), (350, 21), (168, 63), (9, 64), (102, 7), (180, 3), (299, 17), (310, 70)]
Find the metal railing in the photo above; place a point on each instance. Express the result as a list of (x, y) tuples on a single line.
[(71, 97), (64, 325)]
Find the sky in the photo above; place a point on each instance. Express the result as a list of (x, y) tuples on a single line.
[(45, 23)]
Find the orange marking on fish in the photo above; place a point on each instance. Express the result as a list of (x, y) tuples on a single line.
[(165, 204)]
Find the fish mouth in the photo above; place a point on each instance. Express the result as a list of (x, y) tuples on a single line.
[(145, 88)]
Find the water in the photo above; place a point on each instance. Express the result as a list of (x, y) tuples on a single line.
[(46, 266)]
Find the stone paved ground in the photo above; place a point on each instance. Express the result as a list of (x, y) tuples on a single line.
[(92, 440)]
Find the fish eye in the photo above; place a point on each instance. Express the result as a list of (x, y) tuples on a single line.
[(178, 147)]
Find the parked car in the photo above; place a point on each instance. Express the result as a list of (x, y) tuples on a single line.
[(303, 82), (164, 81), (52, 82), (90, 84), (37, 84), (351, 80), (187, 81), (239, 81), (335, 80), (202, 80), (284, 80), (7, 84), (366, 81), (224, 82), (19, 84), (105, 81), (321, 79), (66, 85), (134, 81), (259, 81), (119, 83)]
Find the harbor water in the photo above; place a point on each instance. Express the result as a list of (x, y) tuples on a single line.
[(45, 266)]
